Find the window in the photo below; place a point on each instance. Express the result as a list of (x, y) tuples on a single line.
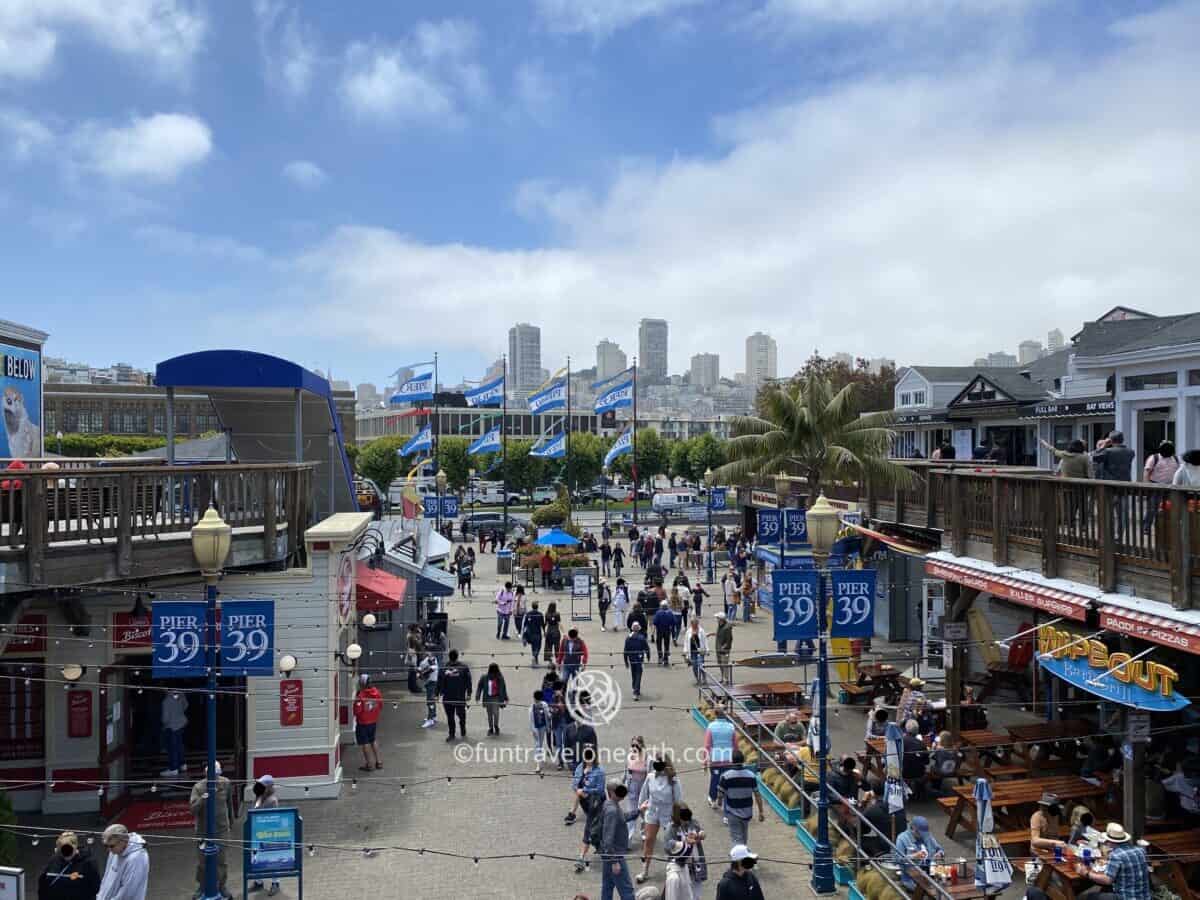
[(1150, 382), (1063, 435), (981, 394), (1194, 378), (22, 711), (160, 422), (918, 398), (906, 398)]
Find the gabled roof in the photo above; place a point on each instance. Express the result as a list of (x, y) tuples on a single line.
[(951, 374), (1103, 338), (1043, 371), (1010, 387)]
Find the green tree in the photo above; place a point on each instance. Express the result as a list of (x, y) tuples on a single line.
[(452, 455), (679, 459), (652, 456), (875, 391), (587, 459), (525, 472), (706, 452), (806, 428), (352, 451), (380, 462)]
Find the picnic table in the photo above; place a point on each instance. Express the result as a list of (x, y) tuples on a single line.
[(964, 890), (977, 740), (1060, 880), (766, 719), (1182, 851), (766, 693), (1024, 736), (884, 680), (1016, 794)]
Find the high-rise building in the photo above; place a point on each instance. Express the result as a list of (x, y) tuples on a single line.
[(1002, 360), (1054, 340), (610, 359), (1029, 351), (879, 363), (495, 370), (652, 349), (981, 362), (524, 358), (843, 358), (706, 370), (762, 358), (366, 394)]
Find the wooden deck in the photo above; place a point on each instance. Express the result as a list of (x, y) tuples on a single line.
[(82, 526)]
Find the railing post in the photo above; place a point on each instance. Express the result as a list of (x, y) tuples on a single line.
[(1107, 563), (898, 503), (999, 521), (930, 511), (1048, 503), (124, 523), (958, 519), (1179, 552), (270, 491), (34, 491)]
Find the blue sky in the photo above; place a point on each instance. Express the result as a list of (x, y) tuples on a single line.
[(922, 179)]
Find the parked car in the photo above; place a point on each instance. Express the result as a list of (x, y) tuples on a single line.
[(544, 495), (489, 495), (667, 502), (487, 521)]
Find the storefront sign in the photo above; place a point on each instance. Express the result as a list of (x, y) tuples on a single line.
[(28, 635), (129, 631), (853, 603), (763, 498), (1076, 408), (921, 418), (248, 637), (769, 526), (291, 702), (1057, 603), (794, 604), (79, 714), (177, 629), (1165, 634), (1142, 684), (273, 843)]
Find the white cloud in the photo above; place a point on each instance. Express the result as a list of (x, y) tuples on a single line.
[(187, 243), (166, 33), (602, 18), (290, 50), (928, 218), (155, 148), (432, 75), (536, 90), (869, 12), (22, 135), (305, 174)]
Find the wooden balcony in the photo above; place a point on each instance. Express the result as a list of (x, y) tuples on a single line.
[(92, 525), (1111, 534)]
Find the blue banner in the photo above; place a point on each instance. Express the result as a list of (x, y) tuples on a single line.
[(449, 503), (248, 637), (555, 448), (429, 506), (490, 393), (603, 381), (487, 443), (768, 526), (552, 397), (273, 839), (716, 499), (853, 603), (449, 506), (623, 445), (615, 397), (177, 631), (422, 440), (794, 600), (416, 389), (795, 527)]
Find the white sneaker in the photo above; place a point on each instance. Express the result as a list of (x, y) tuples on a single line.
[(169, 773), (712, 804)]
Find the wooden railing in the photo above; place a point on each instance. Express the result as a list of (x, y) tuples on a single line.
[(1113, 531), (41, 511)]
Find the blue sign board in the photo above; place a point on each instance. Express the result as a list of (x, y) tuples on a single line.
[(716, 499), (853, 603), (429, 505), (248, 637), (177, 631), (1083, 675), (803, 563), (794, 601), (21, 382), (273, 841), (795, 527), (768, 526), (449, 507)]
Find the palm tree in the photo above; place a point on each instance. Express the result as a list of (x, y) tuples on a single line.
[(805, 428)]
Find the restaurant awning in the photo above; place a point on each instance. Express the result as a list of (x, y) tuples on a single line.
[(1178, 628), (1019, 586), (379, 590)]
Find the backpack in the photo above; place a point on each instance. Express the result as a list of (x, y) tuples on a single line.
[(539, 716)]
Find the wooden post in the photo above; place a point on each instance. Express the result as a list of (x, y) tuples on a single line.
[(270, 527), (1133, 781), (999, 521), (898, 503), (930, 510), (35, 528), (1048, 504), (1179, 551), (958, 519), (1107, 563), (124, 523)]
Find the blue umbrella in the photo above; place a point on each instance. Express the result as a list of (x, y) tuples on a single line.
[(556, 537)]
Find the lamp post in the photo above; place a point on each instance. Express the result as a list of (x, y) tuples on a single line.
[(708, 474), (440, 481), (58, 437), (604, 485), (210, 546), (822, 531), (471, 481)]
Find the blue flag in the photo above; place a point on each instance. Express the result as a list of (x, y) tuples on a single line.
[(490, 393), (555, 448), (623, 445), (615, 397), (552, 397), (422, 440), (416, 389), (488, 443)]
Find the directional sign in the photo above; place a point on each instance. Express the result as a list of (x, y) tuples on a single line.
[(795, 527), (248, 637), (853, 603), (794, 601), (768, 526), (716, 499), (177, 631), (449, 507), (430, 506)]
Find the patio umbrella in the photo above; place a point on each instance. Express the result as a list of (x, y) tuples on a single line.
[(993, 871), (895, 791), (556, 537)]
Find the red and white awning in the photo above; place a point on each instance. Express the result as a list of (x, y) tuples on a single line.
[(378, 590), (1011, 586), (1148, 627)]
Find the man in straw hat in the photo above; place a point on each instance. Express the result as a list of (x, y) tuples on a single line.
[(1128, 869)]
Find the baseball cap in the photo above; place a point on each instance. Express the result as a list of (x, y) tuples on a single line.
[(268, 780), (921, 824), (739, 852)]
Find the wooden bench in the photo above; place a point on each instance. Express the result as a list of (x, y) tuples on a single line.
[(1008, 771), (947, 804), (854, 691)]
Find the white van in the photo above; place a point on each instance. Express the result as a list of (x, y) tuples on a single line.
[(667, 502)]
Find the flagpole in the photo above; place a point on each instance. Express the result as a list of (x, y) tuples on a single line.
[(633, 467), (437, 458), (568, 444), (504, 441)]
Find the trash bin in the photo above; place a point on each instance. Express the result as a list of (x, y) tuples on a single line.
[(504, 562)]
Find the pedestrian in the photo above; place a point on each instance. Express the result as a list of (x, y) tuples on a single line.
[(910, 698), (539, 728), (70, 874), (1160, 468), (546, 564), (588, 784), (494, 694), (553, 631), (427, 671), (687, 869), (1188, 473), (466, 574), (414, 645), (127, 871), (454, 687), (605, 558), (620, 604), (174, 723), (368, 705), (739, 882), (738, 787), (265, 798), (505, 600), (698, 595), (637, 648), (604, 599), (519, 609), (1127, 875), (614, 843), (664, 624), (198, 804), (572, 655), (720, 739), (697, 649), (747, 597), (724, 647), (560, 718), (673, 550), (637, 616), (636, 764), (728, 591), (660, 792), (679, 601), (532, 630)]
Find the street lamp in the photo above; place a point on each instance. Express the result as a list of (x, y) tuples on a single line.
[(604, 484), (58, 437), (708, 482), (822, 532), (471, 481), (440, 481), (210, 546)]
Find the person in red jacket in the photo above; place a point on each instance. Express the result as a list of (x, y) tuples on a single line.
[(572, 654), (546, 563), (368, 704)]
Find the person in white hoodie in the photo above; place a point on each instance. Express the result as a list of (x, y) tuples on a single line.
[(697, 649), (1188, 473), (127, 872)]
